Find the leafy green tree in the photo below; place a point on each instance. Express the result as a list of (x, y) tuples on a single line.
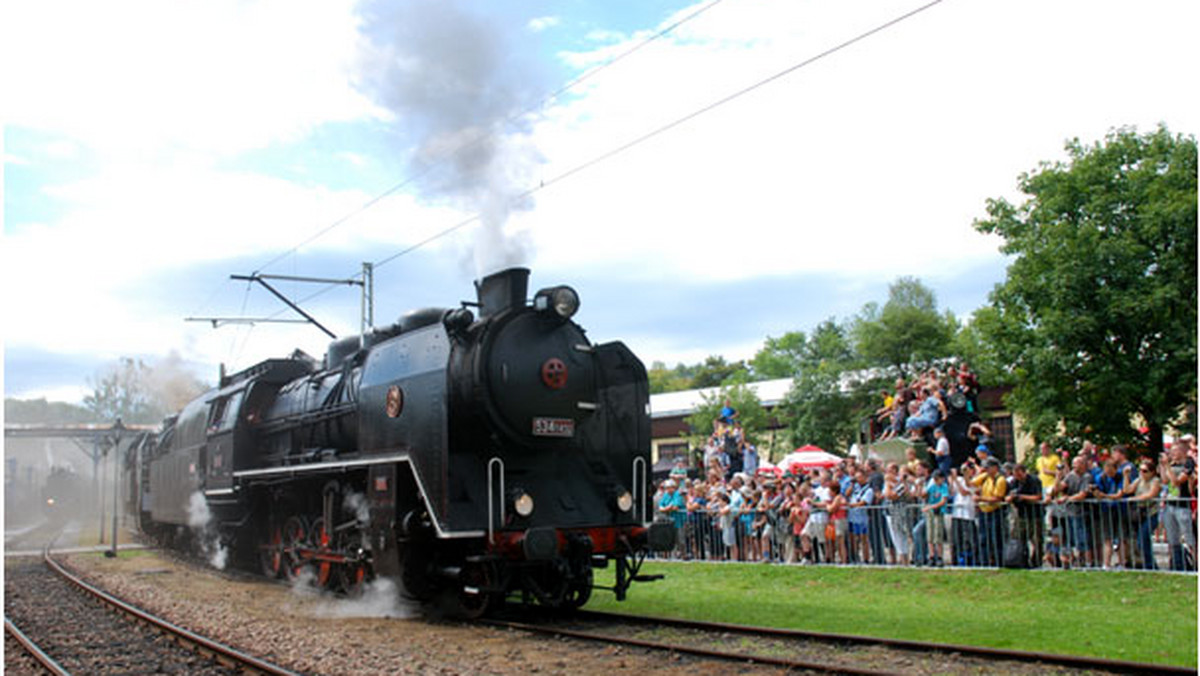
[(663, 379), (40, 411), (751, 414), (972, 345), (1097, 315), (830, 393), (907, 333), (779, 357), (134, 392), (715, 371)]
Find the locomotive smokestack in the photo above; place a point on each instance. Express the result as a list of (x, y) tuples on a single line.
[(502, 290)]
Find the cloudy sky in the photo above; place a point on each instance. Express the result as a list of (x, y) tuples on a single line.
[(152, 149)]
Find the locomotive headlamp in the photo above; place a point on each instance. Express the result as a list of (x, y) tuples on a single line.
[(523, 504), (561, 300), (625, 501)]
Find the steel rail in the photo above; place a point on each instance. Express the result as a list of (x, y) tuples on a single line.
[(34, 649), (690, 650), (1078, 661), (218, 651)]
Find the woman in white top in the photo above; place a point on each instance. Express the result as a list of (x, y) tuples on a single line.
[(962, 516)]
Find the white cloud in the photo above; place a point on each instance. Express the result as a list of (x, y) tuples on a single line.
[(10, 158), (873, 161), (138, 76), (541, 23)]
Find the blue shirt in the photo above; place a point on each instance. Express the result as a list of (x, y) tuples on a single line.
[(677, 500), (1109, 485), (860, 493), (934, 493)]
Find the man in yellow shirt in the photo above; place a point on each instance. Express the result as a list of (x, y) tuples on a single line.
[(992, 489), (1047, 468)]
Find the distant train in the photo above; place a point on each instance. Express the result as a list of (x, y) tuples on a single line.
[(64, 494), (469, 457)]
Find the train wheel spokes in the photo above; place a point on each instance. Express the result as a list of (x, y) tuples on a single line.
[(271, 553), (349, 577), (578, 591), (318, 538), (474, 595), (294, 541)]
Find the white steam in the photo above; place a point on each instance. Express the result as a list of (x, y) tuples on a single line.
[(380, 598), (200, 521), (458, 89), (357, 503), (198, 512)]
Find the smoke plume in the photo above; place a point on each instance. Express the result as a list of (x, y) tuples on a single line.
[(456, 87), (200, 521)]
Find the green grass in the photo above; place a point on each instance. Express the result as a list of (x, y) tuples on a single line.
[(1128, 616), (121, 553)]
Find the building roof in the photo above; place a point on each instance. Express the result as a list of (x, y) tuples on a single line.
[(685, 402)]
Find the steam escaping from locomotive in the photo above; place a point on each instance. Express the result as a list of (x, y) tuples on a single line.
[(380, 598), (456, 86), (468, 458), (199, 518)]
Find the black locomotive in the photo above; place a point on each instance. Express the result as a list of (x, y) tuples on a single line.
[(469, 457)]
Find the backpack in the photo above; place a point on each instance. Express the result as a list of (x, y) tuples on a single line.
[(1016, 554)]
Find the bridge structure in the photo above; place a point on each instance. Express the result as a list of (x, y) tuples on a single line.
[(97, 441)]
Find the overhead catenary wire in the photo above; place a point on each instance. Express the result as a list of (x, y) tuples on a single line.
[(638, 140), (479, 138), (661, 129)]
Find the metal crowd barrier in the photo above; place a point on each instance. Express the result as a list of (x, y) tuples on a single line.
[(1102, 534)]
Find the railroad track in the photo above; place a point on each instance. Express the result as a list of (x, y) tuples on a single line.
[(814, 651), (77, 627)]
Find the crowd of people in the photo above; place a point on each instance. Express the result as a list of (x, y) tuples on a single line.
[(1094, 510), (911, 409)]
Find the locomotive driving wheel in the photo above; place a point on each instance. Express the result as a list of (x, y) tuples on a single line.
[(579, 591), (294, 540), (319, 540), (349, 577), (473, 595), (270, 554)]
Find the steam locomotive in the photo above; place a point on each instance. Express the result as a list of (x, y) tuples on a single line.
[(471, 458), (64, 494)]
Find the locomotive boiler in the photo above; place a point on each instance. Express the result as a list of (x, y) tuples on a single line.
[(470, 457)]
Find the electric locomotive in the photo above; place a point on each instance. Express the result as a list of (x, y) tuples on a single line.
[(471, 458)]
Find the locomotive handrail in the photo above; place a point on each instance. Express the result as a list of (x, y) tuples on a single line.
[(640, 485), (491, 499)]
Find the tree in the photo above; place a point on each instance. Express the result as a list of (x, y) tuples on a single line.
[(133, 392), (907, 333), (827, 399), (715, 371), (972, 345), (779, 357), (40, 411), (751, 413), (1097, 315), (663, 379)]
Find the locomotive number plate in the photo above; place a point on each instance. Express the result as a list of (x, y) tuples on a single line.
[(553, 427)]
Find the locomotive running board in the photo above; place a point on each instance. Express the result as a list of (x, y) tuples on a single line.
[(292, 470)]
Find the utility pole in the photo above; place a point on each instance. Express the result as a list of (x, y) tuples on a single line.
[(116, 485), (368, 300), (100, 474), (368, 297)]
